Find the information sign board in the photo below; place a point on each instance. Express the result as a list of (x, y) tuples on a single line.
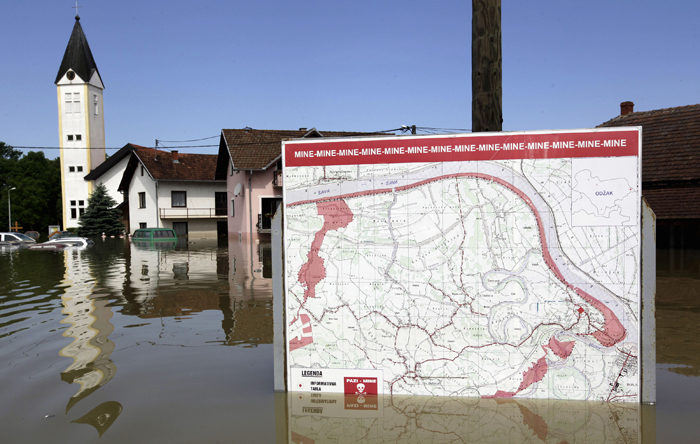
[(485, 265)]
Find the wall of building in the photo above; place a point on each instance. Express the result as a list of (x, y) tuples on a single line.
[(112, 178), (96, 125), (149, 214), (200, 196), (196, 228), (74, 153), (260, 185), (199, 213), (79, 118)]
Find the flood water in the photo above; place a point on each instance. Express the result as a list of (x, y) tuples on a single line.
[(118, 343)]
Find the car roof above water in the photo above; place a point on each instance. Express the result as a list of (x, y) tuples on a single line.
[(154, 233)]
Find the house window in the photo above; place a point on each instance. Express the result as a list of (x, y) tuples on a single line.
[(71, 169), (73, 213), (80, 169), (78, 137), (70, 137), (178, 198), (143, 225), (142, 200), (142, 170), (233, 207)]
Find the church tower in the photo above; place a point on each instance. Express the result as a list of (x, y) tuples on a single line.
[(81, 126)]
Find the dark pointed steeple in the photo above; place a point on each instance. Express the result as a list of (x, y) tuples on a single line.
[(78, 56)]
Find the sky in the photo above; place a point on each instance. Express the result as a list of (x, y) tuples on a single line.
[(181, 70)]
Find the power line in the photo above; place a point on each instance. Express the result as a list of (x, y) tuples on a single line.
[(193, 140), (426, 129), (98, 148)]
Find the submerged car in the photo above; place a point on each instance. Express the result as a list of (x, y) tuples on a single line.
[(62, 241), (16, 239), (155, 238), (154, 234)]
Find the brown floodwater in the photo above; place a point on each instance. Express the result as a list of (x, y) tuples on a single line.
[(118, 343)]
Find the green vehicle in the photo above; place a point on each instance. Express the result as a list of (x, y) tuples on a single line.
[(154, 234)]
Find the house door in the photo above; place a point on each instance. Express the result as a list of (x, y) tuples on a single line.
[(180, 228), (220, 203)]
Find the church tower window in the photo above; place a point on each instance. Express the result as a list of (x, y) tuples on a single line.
[(72, 102)]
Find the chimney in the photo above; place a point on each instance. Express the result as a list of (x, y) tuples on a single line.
[(175, 156), (626, 108)]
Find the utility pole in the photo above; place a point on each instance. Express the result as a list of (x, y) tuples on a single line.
[(487, 92)]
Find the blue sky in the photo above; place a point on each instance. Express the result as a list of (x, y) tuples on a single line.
[(179, 70)]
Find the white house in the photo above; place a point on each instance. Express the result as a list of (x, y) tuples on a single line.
[(173, 190), (110, 172)]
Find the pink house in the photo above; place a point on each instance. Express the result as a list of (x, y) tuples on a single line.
[(251, 162)]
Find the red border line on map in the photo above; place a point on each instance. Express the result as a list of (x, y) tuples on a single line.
[(613, 330)]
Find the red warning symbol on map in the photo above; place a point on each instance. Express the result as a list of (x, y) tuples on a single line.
[(360, 386)]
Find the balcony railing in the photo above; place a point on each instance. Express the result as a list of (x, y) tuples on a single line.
[(277, 180), (192, 213)]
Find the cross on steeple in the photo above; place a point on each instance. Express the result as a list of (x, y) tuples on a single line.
[(76, 9)]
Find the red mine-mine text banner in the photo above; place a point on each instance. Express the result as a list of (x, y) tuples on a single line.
[(463, 147)]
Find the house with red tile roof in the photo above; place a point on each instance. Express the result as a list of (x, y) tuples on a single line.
[(173, 190), (250, 160), (670, 169)]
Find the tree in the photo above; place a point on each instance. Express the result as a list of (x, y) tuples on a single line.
[(101, 215), (8, 159), (37, 197), (38, 182)]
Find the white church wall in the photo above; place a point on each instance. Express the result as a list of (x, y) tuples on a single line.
[(74, 155), (96, 128)]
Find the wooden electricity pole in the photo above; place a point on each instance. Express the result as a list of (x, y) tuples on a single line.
[(487, 92)]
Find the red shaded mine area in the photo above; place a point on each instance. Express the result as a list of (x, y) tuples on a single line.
[(561, 349), (336, 214)]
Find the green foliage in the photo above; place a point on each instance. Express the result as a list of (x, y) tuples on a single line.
[(101, 216), (36, 201), (8, 158)]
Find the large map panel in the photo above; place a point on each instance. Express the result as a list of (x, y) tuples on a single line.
[(499, 265)]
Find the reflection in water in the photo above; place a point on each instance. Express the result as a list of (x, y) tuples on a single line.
[(678, 310), (180, 380), (330, 418), (168, 309), (89, 327), (154, 282), (102, 416), (156, 287)]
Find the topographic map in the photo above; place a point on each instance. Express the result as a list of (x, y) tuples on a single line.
[(515, 274)]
